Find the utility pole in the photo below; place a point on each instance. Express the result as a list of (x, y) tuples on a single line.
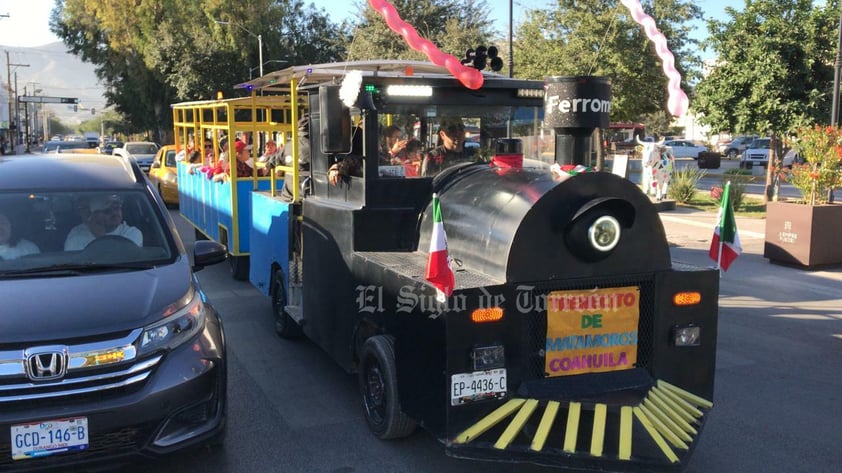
[(13, 99)]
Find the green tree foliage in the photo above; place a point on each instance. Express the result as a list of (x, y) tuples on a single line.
[(452, 25), (150, 54), (599, 37), (775, 66)]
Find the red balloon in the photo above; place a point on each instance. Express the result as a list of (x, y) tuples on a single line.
[(468, 76)]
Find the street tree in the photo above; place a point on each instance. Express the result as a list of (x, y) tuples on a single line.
[(452, 25), (599, 37), (151, 54), (774, 70)]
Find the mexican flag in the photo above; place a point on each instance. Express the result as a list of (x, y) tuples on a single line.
[(725, 246), (438, 270)]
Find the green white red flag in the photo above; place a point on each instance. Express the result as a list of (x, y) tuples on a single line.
[(725, 246), (439, 273)]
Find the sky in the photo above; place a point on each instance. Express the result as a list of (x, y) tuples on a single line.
[(27, 24), (499, 11)]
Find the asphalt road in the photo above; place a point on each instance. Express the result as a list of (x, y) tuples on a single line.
[(777, 388)]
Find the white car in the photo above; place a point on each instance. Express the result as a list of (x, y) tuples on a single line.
[(141, 151), (791, 157), (685, 148), (757, 153)]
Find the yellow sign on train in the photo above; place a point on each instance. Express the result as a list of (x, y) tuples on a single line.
[(592, 331)]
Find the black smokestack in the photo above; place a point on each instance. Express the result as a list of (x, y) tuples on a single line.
[(574, 106)]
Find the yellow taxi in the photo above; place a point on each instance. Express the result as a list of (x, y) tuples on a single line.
[(164, 175)]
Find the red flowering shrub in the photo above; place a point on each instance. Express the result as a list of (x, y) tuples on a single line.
[(821, 148)]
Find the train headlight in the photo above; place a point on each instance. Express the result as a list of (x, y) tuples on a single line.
[(687, 335), (604, 233), (595, 231)]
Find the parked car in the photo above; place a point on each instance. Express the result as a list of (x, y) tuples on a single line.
[(737, 146), (164, 174), (791, 157), (685, 148), (141, 151), (756, 153), (721, 146), (109, 146), (64, 146), (108, 351)]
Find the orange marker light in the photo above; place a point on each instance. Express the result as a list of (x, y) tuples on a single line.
[(489, 314), (687, 298)]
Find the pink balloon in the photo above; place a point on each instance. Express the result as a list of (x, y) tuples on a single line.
[(468, 76), (678, 101)]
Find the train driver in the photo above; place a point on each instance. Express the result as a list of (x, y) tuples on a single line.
[(450, 150)]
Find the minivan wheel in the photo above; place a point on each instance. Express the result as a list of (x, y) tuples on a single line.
[(379, 387), (732, 154), (285, 326)]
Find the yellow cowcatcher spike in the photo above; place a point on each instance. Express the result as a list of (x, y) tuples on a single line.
[(625, 433), (545, 426), (573, 412), (686, 395), (598, 436), (641, 416), (689, 408), (664, 430), (674, 411), (665, 419), (517, 423), (488, 421)]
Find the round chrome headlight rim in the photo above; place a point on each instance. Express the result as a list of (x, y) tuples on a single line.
[(604, 233)]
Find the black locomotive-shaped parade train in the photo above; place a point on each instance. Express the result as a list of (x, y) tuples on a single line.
[(570, 337)]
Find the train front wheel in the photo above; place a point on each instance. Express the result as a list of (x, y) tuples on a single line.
[(379, 386)]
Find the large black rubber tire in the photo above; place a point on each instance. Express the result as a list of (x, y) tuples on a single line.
[(239, 267), (732, 154), (285, 326), (379, 388)]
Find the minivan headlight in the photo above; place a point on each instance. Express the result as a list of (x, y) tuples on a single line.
[(178, 325)]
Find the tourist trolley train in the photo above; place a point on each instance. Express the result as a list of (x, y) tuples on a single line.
[(570, 339)]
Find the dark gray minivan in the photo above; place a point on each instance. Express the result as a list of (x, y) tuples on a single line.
[(108, 346)]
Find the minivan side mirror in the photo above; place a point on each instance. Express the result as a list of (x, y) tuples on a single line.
[(207, 253)]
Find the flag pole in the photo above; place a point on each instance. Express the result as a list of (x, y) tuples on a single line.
[(726, 194)]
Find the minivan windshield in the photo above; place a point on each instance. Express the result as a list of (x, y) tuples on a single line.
[(81, 231)]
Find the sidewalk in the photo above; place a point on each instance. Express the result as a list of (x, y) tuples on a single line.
[(690, 231)]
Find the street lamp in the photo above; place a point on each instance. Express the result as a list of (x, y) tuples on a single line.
[(259, 40)]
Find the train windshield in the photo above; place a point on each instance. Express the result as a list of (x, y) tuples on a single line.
[(424, 141)]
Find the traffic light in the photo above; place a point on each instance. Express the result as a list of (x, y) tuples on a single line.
[(481, 57)]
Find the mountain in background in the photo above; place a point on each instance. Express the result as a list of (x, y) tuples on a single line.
[(57, 73)]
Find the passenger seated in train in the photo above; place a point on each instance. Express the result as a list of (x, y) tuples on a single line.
[(349, 164)]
